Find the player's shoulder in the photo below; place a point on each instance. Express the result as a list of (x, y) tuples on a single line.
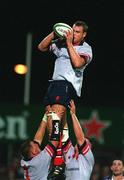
[(85, 47), (86, 44)]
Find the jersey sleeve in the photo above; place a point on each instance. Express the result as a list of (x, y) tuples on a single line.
[(54, 49), (86, 52), (85, 150), (50, 149)]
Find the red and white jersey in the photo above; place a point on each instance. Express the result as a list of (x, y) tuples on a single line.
[(78, 168), (63, 69), (37, 167)]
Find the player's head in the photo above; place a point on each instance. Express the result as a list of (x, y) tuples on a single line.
[(117, 167), (29, 149), (80, 29)]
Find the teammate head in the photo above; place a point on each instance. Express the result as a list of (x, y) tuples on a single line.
[(80, 29), (29, 149), (117, 167)]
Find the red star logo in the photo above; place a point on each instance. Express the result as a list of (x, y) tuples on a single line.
[(94, 127)]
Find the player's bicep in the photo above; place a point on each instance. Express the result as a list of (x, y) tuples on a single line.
[(86, 59), (83, 60), (86, 54)]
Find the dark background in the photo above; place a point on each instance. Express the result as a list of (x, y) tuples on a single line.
[(103, 79)]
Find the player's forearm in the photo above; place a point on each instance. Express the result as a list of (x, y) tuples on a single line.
[(76, 60), (45, 43), (40, 132), (77, 129)]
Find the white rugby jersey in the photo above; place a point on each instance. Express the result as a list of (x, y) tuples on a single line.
[(63, 69), (37, 167), (79, 168)]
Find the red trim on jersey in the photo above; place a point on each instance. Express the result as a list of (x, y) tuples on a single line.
[(67, 146), (58, 160), (59, 152), (26, 174), (85, 149), (85, 55), (50, 150)]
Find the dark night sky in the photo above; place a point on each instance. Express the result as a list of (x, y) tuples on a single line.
[(103, 79)]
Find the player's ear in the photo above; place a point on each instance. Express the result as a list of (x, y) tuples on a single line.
[(123, 168), (84, 34), (111, 168)]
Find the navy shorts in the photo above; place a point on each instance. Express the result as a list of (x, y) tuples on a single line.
[(60, 92)]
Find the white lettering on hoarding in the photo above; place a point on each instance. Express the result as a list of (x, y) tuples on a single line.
[(13, 127)]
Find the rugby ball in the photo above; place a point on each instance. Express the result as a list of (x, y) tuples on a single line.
[(61, 28)]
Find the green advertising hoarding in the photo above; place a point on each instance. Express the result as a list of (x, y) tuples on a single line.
[(105, 126)]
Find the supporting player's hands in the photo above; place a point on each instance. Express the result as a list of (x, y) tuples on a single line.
[(72, 107)]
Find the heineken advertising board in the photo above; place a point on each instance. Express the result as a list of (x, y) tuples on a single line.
[(104, 126)]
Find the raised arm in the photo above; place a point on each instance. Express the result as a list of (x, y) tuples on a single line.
[(45, 43), (55, 131), (41, 130), (76, 125), (76, 59)]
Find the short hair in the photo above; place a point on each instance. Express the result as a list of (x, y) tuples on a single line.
[(83, 24), (25, 149), (117, 158)]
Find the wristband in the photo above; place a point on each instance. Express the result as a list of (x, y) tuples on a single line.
[(44, 118)]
